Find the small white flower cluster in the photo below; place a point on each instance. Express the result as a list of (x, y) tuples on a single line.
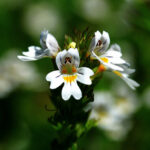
[(68, 62), (14, 73), (112, 113)]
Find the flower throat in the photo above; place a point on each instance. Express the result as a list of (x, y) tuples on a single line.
[(68, 67)]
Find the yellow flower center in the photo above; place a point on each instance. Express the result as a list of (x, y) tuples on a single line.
[(70, 79), (104, 59)]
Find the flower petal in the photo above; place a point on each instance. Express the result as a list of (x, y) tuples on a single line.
[(56, 82), (66, 93), (117, 60), (75, 90), (85, 71), (33, 51), (116, 48), (114, 51), (50, 76), (129, 71), (94, 41), (25, 58), (52, 44), (131, 83), (75, 54), (43, 37), (105, 40), (112, 66), (59, 57), (108, 65), (84, 79)]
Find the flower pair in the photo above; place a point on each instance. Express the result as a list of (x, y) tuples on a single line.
[(67, 62), (69, 73)]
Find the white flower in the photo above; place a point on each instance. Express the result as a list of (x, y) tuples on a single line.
[(14, 73), (49, 48), (69, 73), (110, 59), (112, 113)]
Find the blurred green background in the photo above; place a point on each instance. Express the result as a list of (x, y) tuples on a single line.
[(24, 91)]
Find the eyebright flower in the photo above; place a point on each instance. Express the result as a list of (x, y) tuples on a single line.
[(14, 73), (69, 73), (49, 48), (110, 59), (111, 111)]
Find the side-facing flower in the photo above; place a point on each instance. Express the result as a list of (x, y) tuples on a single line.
[(49, 47), (110, 59), (69, 73)]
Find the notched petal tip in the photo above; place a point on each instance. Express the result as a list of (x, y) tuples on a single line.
[(65, 98), (97, 34), (25, 58), (106, 35), (85, 71), (50, 76), (84, 79), (47, 77), (56, 82), (75, 90), (115, 47), (66, 93)]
